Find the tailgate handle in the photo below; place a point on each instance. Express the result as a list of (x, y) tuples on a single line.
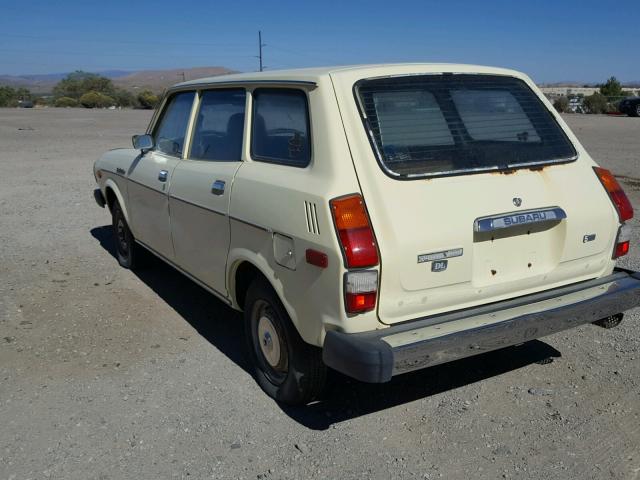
[(517, 219)]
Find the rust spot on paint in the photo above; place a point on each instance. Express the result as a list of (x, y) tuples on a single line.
[(507, 171), (493, 272), (529, 264)]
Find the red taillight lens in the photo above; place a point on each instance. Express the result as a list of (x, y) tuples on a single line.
[(360, 302), (354, 231), (617, 195), (360, 291), (623, 240), (621, 249)]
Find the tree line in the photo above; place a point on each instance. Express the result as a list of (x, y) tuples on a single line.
[(604, 101), (11, 97), (81, 89)]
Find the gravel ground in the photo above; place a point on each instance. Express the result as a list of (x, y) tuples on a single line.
[(109, 374)]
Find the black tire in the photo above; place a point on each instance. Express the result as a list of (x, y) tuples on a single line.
[(286, 367), (635, 111), (127, 251)]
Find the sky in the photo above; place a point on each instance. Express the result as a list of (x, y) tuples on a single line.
[(584, 41)]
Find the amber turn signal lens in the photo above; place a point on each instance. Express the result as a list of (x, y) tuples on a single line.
[(616, 194), (354, 231)]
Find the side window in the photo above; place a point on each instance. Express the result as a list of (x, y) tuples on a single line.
[(219, 126), (280, 130), (171, 129)]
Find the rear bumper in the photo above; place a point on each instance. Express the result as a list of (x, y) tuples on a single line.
[(97, 194), (378, 355)]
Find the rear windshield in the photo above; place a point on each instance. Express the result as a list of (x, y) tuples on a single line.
[(424, 125)]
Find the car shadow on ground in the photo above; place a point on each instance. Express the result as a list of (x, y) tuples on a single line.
[(344, 398)]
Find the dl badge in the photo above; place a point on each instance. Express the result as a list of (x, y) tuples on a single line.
[(439, 265)]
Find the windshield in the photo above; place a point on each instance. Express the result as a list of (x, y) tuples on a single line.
[(423, 125)]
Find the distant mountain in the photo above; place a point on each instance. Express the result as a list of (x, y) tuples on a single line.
[(155, 80)]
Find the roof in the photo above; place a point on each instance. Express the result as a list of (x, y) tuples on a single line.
[(315, 74)]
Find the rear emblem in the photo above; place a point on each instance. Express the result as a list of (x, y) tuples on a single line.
[(517, 201), (439, 265), (432, 257)]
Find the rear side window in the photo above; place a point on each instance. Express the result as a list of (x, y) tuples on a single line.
[(280, 130), (219, 126), (426, 125), (171, 129)]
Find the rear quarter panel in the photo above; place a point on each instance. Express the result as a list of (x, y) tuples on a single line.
[(269, 199)]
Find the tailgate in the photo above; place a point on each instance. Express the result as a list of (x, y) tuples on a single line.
[(474, 193)]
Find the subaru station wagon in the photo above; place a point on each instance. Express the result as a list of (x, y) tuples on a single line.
[(374, 219)]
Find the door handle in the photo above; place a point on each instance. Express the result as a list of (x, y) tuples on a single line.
[(218, 187), (162, 175)]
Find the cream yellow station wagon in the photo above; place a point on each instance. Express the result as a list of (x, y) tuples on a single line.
[(374, 219)]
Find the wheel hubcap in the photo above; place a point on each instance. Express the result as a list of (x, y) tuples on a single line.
[(269, 341)]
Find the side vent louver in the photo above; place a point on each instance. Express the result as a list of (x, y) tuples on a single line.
[(311, 213)]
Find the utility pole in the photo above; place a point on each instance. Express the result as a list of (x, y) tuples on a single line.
[(260, 45), (183, 78)]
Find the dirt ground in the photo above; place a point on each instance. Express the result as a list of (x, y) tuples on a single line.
[(110, 374)]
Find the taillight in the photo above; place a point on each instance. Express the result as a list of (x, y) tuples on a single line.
[(623, 241), (354, 231), (360, 291), (617, 195), (623, 207)]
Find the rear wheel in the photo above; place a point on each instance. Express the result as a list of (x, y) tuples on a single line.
[(127, 251), (635, 112), (285, 366)]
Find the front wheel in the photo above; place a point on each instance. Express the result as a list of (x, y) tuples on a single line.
[(127, 251), (285, 366)]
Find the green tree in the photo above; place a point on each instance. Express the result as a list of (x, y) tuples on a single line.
[(596, 103), (96, 100), (66, 102), (612, 88), (7, 95), (78, 83), (148, 99), (561, 104), (23, 94), (124, 98)]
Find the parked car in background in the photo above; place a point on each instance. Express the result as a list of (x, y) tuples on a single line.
[(630, 106), (575, 105), (374, 219)]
